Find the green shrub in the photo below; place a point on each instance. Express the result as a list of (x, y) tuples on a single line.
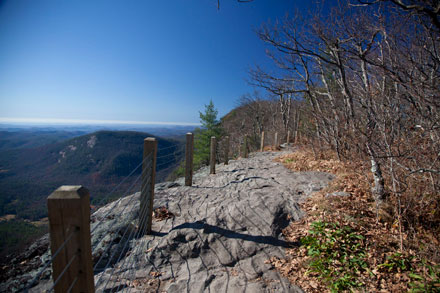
[(428, 282), (396, 262), (337, 255)]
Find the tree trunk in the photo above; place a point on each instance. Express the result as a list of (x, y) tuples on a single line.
[(378, 190)]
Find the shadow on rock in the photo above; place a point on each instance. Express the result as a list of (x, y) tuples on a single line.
[(208, 229)]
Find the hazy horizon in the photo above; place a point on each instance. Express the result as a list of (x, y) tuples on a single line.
[(86, 122)]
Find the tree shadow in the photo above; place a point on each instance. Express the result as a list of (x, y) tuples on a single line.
[(208, 229), (153, 233)]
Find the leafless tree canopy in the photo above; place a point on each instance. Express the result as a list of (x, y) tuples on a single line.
[(370, 75)]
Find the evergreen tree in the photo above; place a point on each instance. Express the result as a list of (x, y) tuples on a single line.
[(210, 127)]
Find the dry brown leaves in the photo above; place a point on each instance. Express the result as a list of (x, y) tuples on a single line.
[(271, 148), (356, 210), (144, 284), (155, 274), (161, 213)]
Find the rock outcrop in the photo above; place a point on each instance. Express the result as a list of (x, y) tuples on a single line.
[(215, 235)]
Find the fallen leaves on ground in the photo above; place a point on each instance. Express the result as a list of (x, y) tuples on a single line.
[(357, 210), (161, 213), (271, 148)]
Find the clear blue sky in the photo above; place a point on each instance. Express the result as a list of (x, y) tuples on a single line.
[(132, 60)]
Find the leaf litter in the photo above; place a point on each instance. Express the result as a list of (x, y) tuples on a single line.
[(389, 269)]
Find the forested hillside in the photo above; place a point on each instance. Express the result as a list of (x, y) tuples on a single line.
[(98, 161), (31, 138)]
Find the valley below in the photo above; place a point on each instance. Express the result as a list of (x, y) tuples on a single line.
[(34, 162)]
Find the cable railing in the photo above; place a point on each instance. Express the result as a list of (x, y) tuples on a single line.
[(71, 235), (95, 268), (175, 154), (127, 245), (146, 159), (49, 262), (140, 231), (126, 234), (66, 280), (169, 147)]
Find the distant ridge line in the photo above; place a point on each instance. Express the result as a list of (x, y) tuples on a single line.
[(89, 121)]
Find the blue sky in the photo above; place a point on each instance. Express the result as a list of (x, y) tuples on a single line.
[(133, 60)]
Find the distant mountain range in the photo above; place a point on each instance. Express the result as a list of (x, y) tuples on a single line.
[(98, 161), (31, 138), (25, 136), (36, 161)]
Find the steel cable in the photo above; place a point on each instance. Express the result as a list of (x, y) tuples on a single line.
[(48, 263), (120, 183), (62, 273), (133, 266), (125, 193), (122, 212), (118, 232), (73, 284), (128, 240), (50, 260), (171, 154), (172, 146), (111, 210), (135, 254), (135, 237), (166, 163)]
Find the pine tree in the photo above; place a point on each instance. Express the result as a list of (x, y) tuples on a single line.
[(210, 127)]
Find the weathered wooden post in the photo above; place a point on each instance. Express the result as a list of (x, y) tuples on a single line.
[(147, 188), (288, 137), (189, 153), (245, 147), (276, 140), (262, 142), (69, 212), (228, 141), (212, 158)]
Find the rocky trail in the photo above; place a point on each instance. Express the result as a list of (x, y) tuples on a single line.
[(216, 236)]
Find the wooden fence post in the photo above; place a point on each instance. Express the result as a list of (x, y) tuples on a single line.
[(189, 153), (262, 142), (245, 147), (276, 140), (228, 141), (288, 137), (147, 188), (212, 159), (69, 212)]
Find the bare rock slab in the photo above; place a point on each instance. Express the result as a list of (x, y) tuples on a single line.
[(223, 230), (225, 227)]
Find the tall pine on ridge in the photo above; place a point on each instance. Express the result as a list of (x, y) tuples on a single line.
[(210, 127)]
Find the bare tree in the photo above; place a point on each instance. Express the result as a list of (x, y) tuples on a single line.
[(371, 77)]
